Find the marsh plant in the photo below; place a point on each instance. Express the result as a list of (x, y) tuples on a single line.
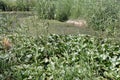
[(105, 16), (61, 57), (100, 15), (45, 9)]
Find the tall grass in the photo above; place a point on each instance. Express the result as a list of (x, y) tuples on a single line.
[(62, 9), (103, 15), (45, 9), (100, 15)]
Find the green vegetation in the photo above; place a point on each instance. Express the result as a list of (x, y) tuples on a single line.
[(100, 15), (24, 23), (61, 57), (17, 5), (44, 47)]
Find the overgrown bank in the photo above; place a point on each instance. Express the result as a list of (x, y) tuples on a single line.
[(100, 15)]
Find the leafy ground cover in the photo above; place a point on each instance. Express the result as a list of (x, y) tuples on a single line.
[(60, 57), (36, 55)]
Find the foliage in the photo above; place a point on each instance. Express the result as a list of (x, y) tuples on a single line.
[(60, 57), (8, 24), (104, 16), (52, 9), (62, 9), (2, 5), (100, 15), (45, 9), (17, 5)]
